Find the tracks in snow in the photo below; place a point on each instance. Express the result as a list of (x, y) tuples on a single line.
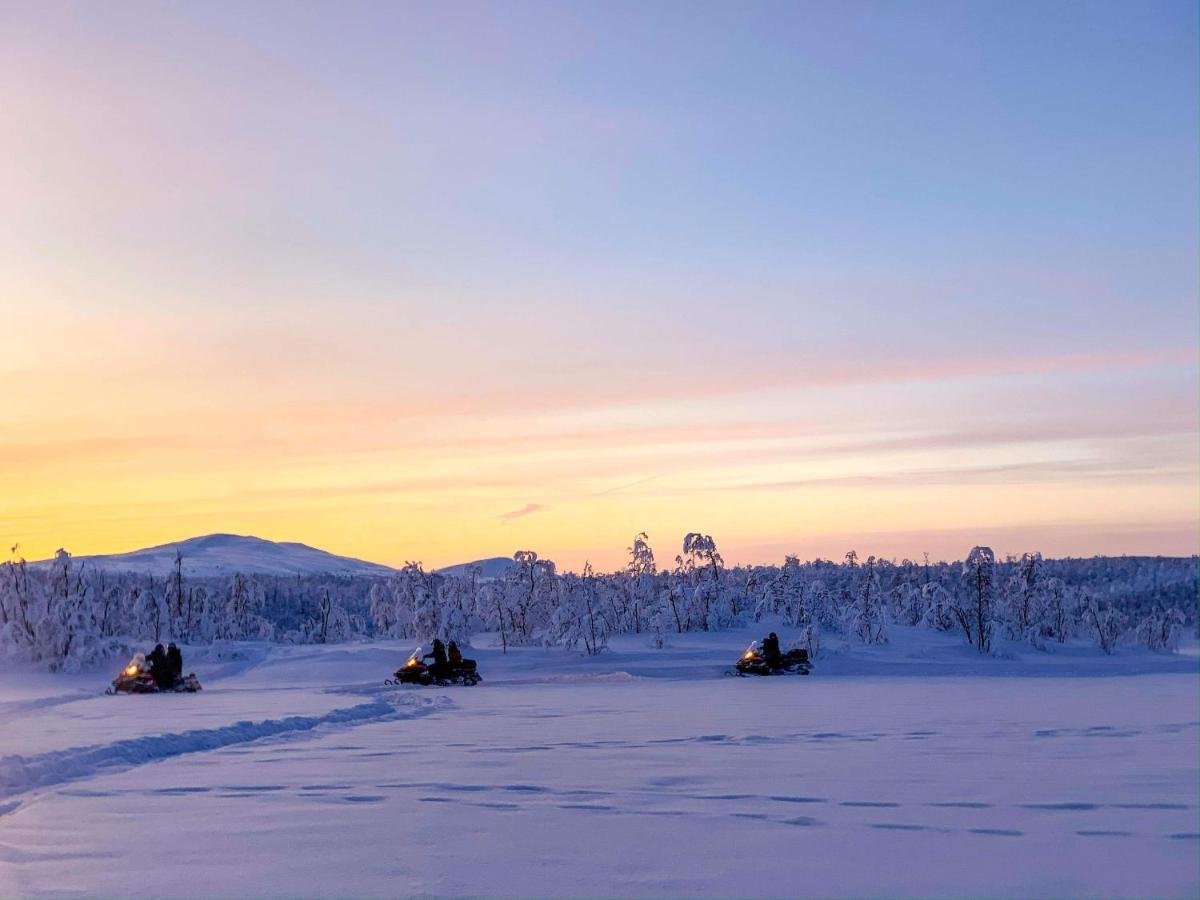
[(23, 774)]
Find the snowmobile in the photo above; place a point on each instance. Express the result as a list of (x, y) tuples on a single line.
[(415, 671), (794, 662), (135, 678)]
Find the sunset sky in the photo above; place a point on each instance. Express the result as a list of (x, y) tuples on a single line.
[(443, 281)]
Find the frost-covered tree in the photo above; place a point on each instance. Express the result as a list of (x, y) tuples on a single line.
[(783, 595), (242, 620), (939, 607), (699, 566), (1160, 629), (1061, 610), (908, 601), (578, 619), (865, 617), (150, 613), (523, 601), (456, 596), (382, 606), (1025, 601), (64, 615), (638, 588), (175, 600), (975, 601), (823, 603), (19, 608), (418, 593), (1106, 623)]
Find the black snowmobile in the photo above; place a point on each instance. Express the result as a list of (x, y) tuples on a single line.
[(752, 662), (136, 678), (415, 671)]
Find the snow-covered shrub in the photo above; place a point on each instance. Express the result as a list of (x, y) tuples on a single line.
[(938, 607), (1106, 622), (809, 639), (1160, 630)]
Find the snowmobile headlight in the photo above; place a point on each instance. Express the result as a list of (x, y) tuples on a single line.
[(749, 655), (412, 661), (131, 670)]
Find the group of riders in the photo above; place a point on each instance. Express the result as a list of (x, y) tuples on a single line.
[(166, 666), (770, 650), (447, 661)]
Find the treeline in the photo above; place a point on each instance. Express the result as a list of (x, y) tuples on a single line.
[(69, 615)]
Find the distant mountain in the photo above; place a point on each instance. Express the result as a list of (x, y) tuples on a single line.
[(496, 567), (229, 554)]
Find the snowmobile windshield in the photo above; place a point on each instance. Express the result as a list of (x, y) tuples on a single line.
[(414, 658), (751, 651), (136, 664)]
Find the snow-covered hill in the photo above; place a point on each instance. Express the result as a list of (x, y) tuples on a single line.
[(495, 567), (227, 554)]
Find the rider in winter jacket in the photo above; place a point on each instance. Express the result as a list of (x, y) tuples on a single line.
[(771, 652), (160, 667), (439, 657), (175, 658)]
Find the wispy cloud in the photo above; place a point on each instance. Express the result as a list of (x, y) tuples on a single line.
[(1054, 471), (527, 510), (624, 487)]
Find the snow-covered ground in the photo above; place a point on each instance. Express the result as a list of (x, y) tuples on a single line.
[(912, 769)]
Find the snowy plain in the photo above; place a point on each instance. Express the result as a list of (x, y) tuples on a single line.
[(916, 768)]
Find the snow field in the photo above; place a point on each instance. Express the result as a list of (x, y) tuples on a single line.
[(639, 772)]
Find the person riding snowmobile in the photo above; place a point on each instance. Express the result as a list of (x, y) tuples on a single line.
[(770, 650), (440, 665), (160, 667), (455, 655), (175, 659)]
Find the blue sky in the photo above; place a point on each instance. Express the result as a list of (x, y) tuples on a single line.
[(321, 246)]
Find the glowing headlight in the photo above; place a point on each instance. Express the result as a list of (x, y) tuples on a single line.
[(131, 670)]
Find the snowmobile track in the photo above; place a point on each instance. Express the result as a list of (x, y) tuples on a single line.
[(23, 774)]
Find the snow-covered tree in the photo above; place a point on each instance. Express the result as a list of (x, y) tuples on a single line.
[(637, 594), (908, 600), (242, 620), (1061, 610), (1106, 622), (64, 615), (939, 607), (1025, 601), (578, 619), (865, 617), (1160, 629), (974, 606)]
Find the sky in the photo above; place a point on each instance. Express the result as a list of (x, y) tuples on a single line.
[(441, 281)]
